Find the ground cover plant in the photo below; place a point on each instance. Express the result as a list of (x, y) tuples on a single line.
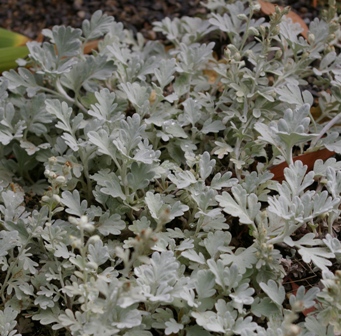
[(137, 187)]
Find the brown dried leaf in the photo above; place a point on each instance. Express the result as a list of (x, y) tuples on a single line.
[(268, 8), (307, 159), (89, 46)]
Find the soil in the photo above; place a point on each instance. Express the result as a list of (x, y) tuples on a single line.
[(29, 17)]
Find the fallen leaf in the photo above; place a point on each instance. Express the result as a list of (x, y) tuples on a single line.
[(268, 8), (307, 159), (89, 46), (152, 97), (211, 75)]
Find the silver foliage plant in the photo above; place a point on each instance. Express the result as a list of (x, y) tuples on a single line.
[(136, 196)]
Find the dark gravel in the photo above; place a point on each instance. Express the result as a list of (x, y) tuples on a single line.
[(29, 17)]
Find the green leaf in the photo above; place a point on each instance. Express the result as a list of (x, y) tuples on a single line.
[(61, 251), (317, 328), (10, 128), (181, 84), (173, 129), (9, 56), (224, 23), (307, 298), (197, 331), (35, 115), (145, 153), (320, 167), (11, 39)]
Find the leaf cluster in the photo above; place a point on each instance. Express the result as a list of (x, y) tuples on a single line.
[(136, 196)]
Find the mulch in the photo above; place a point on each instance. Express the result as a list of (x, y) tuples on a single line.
[(29, 17)]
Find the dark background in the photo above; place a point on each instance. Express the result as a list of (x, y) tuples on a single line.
[(29, 17)]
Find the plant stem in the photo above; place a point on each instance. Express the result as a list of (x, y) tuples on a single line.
[(330, 124)]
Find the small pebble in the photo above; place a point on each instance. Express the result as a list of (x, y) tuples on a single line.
[(78, 4), (81, 14)]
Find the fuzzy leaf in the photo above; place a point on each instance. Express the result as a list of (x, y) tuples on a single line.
[(98, 253), (98, 25), (223, 181), (67, 41), (161, 211), (165, 71), (102, 141), (206, 165), (182, 179), (204, 284), (105, 106), (73, 203), (274, 291), (85, 72), (173, 327), (242, 205), (194, 256), (111, 225), (110, 183)]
